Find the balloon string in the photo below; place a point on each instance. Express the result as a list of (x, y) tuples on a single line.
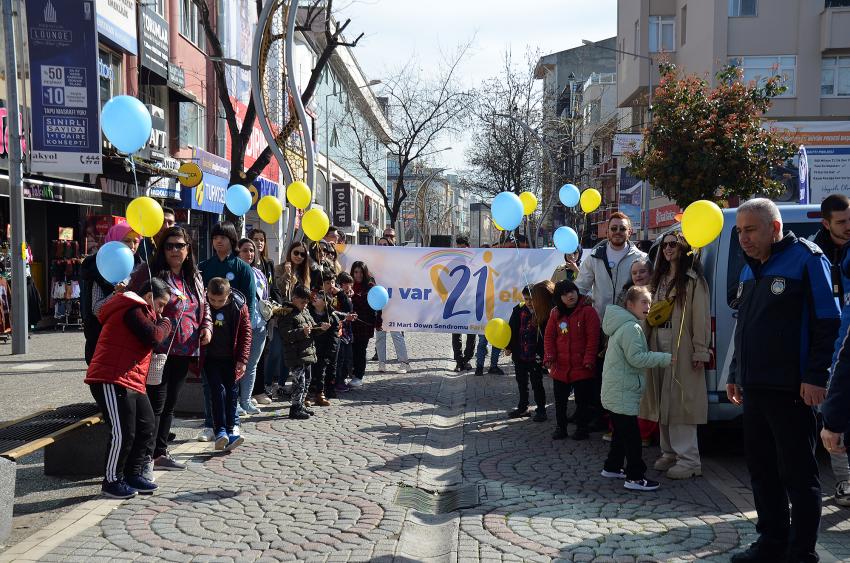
[(136, 185), (525, 278)]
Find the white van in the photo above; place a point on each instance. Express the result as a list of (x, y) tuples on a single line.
[(723, 261)]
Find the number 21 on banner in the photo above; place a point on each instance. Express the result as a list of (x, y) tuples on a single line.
[(484, 288)]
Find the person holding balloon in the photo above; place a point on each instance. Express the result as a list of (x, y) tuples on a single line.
[(679, 324), (367, 320), (526, 349), (248, 254)]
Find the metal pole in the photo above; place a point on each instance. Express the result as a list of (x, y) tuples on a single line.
[(20, 322), (645, 211), (328, 153)]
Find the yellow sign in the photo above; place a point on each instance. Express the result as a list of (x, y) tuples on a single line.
[(190, 174)]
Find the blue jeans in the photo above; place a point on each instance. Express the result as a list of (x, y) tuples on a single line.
[(246, 384), (220, 376), (274, 361), (481, 354)]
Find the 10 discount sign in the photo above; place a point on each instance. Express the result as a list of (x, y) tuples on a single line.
[(451, 289)]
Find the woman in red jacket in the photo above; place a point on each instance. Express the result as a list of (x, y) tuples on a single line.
[(132, 326), (570, 347)]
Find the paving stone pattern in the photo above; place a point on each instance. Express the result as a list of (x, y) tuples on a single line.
[(323, 489)]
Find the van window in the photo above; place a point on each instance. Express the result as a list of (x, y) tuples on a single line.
[(736, 256)]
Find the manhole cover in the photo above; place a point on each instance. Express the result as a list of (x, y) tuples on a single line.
[(436, 502)]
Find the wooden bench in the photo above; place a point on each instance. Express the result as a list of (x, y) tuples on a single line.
[(39, 430)]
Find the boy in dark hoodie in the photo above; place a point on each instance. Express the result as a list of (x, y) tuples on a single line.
[(327, 344), (225, 357), (298, 330)]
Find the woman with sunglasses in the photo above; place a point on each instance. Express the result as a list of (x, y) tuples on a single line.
[(248, 254), (174, 263), (676, 396)]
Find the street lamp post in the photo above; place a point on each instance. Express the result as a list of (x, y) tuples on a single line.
[(645, 193)]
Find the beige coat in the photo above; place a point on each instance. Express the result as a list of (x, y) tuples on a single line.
[(682, 399)]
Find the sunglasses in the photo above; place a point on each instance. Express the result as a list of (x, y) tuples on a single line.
[(175, 245), (617, 229), (670, 244), (299, 253)]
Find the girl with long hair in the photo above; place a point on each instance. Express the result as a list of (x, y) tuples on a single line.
[(676, 395), (266, 264), (248, 253), (295, 270), (367, 320)]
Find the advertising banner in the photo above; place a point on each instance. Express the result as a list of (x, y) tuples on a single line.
[(116, 21), (64, 82), (341, 204), (451, 289), (631, 194), (803, 159), (153, 45), (210, 193)]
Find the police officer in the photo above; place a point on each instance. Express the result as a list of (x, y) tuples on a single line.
[(788, 320)]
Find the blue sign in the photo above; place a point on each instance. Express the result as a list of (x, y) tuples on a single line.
[(64, 81), (116, 22), (804, 175), (260, 189), (210, 193)]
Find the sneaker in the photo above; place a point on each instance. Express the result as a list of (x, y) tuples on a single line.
[(842, 493), (608, 437), (272, 390), (641, 485), (206, 435), (298, 414), (233, 441), (621, 474), (559, 434), (221, 441), (311, 412), (519, 413), (539, 417), (760, 552), (264, 399), (117, 489), (467, 366), (580, 434), (479, 371), (172, 436), (495, 370), (356, 382), (240, 412), (252, 410), (382, 367), (147, 469), (167, 463), (664, 463), (254, 402), (236, 431), (142, 485), (681, 472), (403, 367)]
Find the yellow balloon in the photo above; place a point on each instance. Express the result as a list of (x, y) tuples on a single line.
[(498, 228), (145, 216), (315, 224), (702, 222), (269, 209), (529, 202), (590, 200), (299, 195), (498, 333)]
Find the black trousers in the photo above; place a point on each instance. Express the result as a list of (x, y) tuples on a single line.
[(324, 371), (463, 354), (626, 444), (358, 360), (224, 392), (780, 434), (130, 416), (584, 393), (533, 372), (163, 397)]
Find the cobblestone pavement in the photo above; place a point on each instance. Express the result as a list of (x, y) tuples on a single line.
[(325, 489)]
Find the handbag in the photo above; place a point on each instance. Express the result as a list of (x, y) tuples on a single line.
[(659, 312), (158, 360), (266, 308)]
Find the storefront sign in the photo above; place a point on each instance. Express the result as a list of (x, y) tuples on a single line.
[(153, 42), (260, 189), (803, 166), (164, 188), (663, 216), (116, 21), (176, 75), (626, 142), (630, 196), (209, 194), (53, 191), (157, 147), (341, 204), (190, 174), (64, 79), (117, 187)]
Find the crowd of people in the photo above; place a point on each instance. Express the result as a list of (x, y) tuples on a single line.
[(628, 337)]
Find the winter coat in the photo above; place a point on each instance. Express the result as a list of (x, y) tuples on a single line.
[(514, 345), (367, 318), (605, 282), (123, 353), (563, 273), (572, 354), (298, 348), (236, 271), (836, 408), (626, 360), (284, 284), (237, 308), (678, 395)]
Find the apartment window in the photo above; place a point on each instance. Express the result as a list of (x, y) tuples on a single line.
[(192, 127), (662, 34), (835, 76), (760, 69), (684, 24), (743, 8), (190, 26), (158, 6), (109, 72)]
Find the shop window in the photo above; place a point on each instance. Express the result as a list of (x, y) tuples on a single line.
[(192, 125)]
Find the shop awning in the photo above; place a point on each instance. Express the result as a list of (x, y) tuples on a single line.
[(58, 192)]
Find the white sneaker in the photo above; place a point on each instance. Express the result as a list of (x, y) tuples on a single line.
[(254, 402), (354, 382), (403, 367), (206, 435), (236, 431), (382, 367)]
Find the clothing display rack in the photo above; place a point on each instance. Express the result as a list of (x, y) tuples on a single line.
[(65, 283)]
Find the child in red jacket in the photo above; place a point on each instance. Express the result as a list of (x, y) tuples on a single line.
[(117, 375), (571, 345), (225, 358)]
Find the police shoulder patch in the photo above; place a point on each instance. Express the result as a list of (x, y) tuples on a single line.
[(777, 286)]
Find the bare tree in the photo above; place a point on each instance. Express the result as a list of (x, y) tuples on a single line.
[(316, 20), (422, 113)]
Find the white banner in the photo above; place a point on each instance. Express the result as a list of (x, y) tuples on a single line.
[(451, 289)]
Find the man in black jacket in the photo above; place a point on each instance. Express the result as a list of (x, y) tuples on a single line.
[(788, 320), (835, 233)]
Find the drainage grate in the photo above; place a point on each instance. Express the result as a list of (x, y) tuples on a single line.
[(436, 502), (43, 425)]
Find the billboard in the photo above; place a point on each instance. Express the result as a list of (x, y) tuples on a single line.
[(116, 21)]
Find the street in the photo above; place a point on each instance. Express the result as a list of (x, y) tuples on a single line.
[(339, 487)]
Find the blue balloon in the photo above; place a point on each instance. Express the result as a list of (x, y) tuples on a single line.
[(238, 199), (566, 240), (114, 261), (507, 210), (126, 122), (569, 195), (378, 297)]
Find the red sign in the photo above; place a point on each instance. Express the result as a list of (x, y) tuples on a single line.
[(256, 143), (663, 216)]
